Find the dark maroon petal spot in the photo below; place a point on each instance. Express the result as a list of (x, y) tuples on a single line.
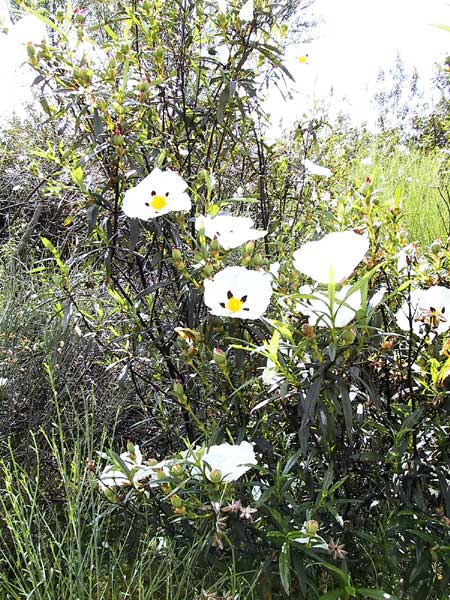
[(222, 304), (147, 204), (245, 309), (229, 295), (167, 193), (153, 193), (244, 299)]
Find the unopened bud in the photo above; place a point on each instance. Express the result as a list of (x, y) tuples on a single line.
[(118, 139), (176, 254), (177, 471), (31, 50), (215, 245), (258, 259), (208, 269), (178, 389), (111, 496), (311, 527), (387, 345), (367, 186), (436, 246), (176, 501), (130, 447), (249, 247), (219, 357), (215, 476), (308, 331), (349, 336)]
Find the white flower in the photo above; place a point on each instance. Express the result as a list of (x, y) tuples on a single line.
[(238, 292), (345, 306), (377, 298), (223, 54), (315, 169), (274, 269), (3, 381), (229, 231), (429, 310), (159, 193), (367, 162), (334, 256), (222, 5), (246, 12), (113, 477), (229, 460), (270, 374)]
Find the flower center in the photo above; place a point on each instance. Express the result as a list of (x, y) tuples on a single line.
[(158, 202), (234, 304)]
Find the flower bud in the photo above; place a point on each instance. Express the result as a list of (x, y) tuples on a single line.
[(249, 247), (176, 254), (78, 15), (130, 447), (349, 336), (177, 471), (258, 259), (311, 527), (215, 245), (31, 50), (436, 246), (387, 344), (176, 501), (367, 186), (219, 357), (308, 331), (178, 389), (208, 269), (111, 496), (118, 139), (215, 476)]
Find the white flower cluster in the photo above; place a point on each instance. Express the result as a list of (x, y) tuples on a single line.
[(242, 293), (226, 462)]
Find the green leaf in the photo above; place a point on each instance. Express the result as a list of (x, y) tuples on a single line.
[(47, 244), (376, 594), (284, 564), (77, 175), (92, 213)]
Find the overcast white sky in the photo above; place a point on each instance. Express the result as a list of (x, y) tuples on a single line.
[(356, 39)]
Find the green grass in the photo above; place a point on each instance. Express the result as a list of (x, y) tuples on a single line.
[(60, 539), (422, 182)]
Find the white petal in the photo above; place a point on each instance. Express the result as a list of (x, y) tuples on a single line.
[(336, 254), (167, 184), (229, 231), (229, 460), (315, 169), (255, 286), (436, 297), (377, 298), (246, 12), (318, 309)]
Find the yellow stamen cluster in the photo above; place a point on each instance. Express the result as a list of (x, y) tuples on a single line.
[(234, 304), (158, 202)]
